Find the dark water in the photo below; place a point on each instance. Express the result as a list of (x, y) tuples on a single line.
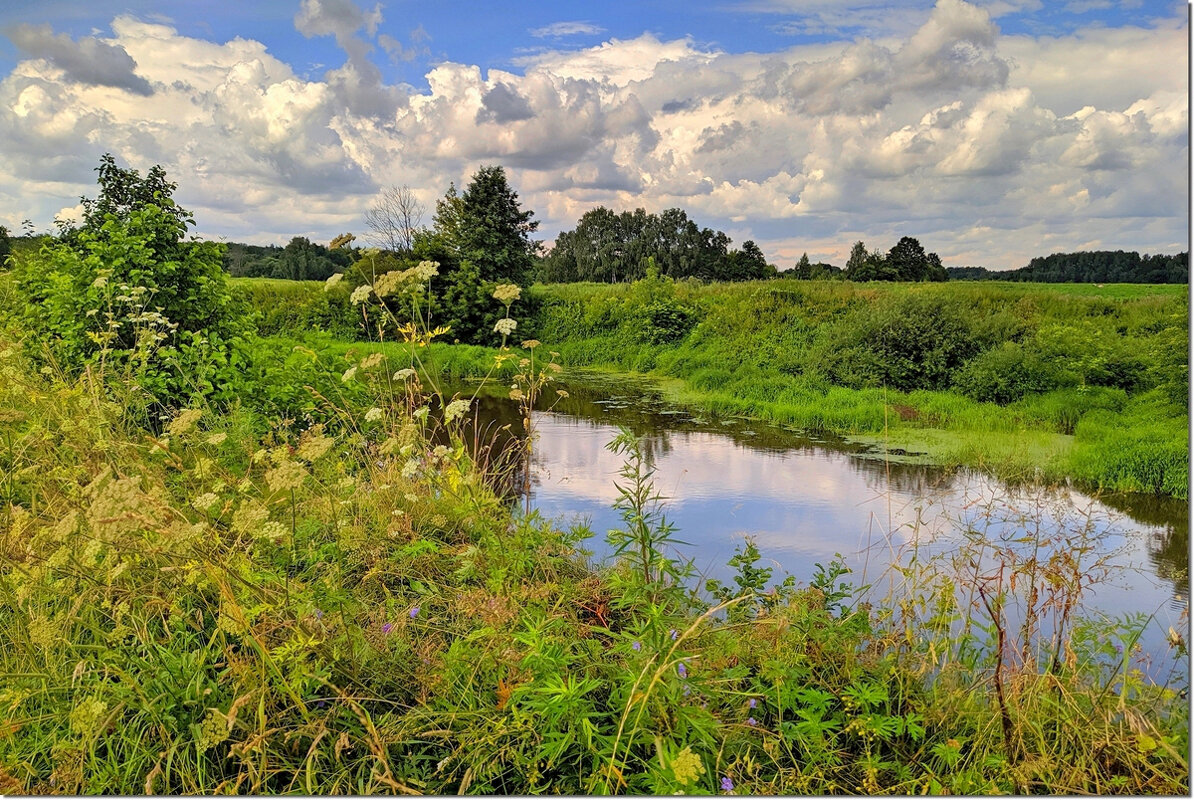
[(805, 499)]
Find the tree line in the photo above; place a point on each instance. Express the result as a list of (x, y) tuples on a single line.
[(1092, 266)]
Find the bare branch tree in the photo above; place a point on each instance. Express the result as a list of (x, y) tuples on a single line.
[(394, 219)]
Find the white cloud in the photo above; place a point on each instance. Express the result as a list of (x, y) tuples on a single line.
[(989, 148)]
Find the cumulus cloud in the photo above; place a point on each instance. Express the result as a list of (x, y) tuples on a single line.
[(989, 148), (88, 61)]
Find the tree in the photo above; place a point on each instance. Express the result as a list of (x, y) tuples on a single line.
[(494, 232), (5, 245), (395, 219), (857, 260), (127, 289), (479, 238), (804, 268)]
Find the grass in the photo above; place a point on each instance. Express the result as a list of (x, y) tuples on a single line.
[(316, 590), (997, 376)]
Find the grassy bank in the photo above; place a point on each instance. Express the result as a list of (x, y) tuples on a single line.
[(345, 607), (1030, 382)]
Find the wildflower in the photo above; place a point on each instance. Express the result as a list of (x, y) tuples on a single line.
[(348, 374), (672, 633), (314, 448), (751, 721), (531, 344), (205, 501), (682, 670), (332, 281), (183, 423), (410, 468), (440, 451), (213, 730), (455, 410), (507, 293), (371, 360), (373, 414), (414, 612), (753, 702), (273, 530), (427, 270), (319, 613), (687, 767), (727, 785), (505, 326), (217, 439), (421, 413), (360, 294), (404, 374), (637, 646), (288, 475), (389, 626)]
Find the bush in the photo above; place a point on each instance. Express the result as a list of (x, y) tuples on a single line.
[(1005, 374), (110, 297), (665, 321), (908, 342)]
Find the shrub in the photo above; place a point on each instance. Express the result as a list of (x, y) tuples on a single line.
[(1006, 373)]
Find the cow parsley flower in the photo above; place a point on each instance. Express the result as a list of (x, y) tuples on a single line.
[(360, 294), (505, 326), (455, 410), (332, 281), (507, 293)]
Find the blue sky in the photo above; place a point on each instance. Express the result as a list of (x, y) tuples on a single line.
[(993, 130)]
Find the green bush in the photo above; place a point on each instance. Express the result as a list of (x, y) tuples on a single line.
[(1006, 373), (907, 342)]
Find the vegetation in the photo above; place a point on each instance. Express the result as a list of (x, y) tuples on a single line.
[(1096, 266), (1029, 382), (302, 579), (300, 260), (618, 248)]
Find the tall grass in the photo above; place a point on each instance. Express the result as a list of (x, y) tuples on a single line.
[(341, 604)]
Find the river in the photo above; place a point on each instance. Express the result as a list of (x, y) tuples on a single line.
[(805, 499)]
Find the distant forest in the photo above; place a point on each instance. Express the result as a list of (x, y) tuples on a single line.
[(1093, 266)]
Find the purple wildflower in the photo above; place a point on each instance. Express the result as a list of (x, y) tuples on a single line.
[(672, 633), (753, 702), (637, 646), (687, 691), (727, 785), (319, 613), (682, 670), (751, 721), (414, 612), (389, 626)]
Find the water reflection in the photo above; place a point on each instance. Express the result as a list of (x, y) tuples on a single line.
[(806, 498)]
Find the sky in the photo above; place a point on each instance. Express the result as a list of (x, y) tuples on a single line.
[(993, 131)]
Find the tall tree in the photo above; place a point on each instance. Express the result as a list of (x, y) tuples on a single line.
[(804, 268), (395, 219), (494, 232)]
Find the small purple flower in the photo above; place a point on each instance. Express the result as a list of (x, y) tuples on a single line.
[(389, 626), (321, 704), (637, 646), (727, 785), (414, 612), (682, 670), (687, 691), (751, 721), (672, 633), (753, 702), (319, 613)]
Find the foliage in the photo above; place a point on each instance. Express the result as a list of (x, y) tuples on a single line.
[(337, 602), (1096, 266), (616, 248)]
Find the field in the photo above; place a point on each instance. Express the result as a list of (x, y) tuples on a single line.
[(236, 562)]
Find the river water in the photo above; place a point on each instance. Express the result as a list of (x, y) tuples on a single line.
[(805, 499)]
